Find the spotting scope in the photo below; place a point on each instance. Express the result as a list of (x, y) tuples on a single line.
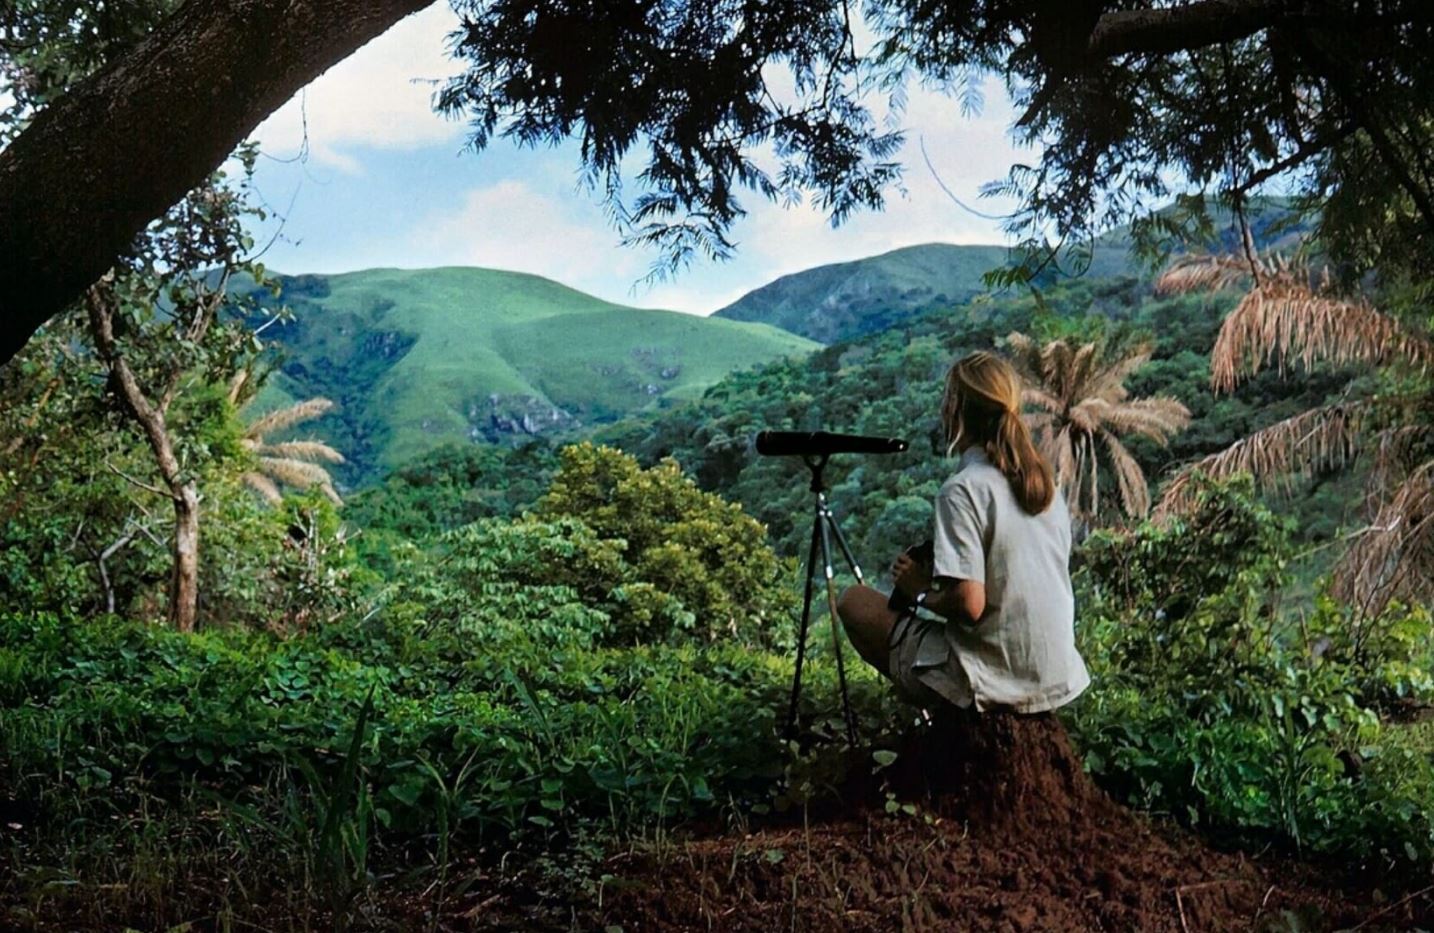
[(824, 444)]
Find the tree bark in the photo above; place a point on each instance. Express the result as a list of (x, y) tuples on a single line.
[(184, 572), (126, 143)]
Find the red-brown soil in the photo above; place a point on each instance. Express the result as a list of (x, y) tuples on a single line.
[(1010, 835), (1006, 833)]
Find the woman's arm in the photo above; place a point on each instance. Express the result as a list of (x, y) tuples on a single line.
[(961, 601)]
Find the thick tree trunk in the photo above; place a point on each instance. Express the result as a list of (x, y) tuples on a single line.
[(127, 143)]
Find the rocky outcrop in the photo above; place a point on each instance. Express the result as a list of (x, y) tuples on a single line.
[(500, 417)]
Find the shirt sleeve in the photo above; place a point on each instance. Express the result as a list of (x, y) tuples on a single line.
[(959, 549)]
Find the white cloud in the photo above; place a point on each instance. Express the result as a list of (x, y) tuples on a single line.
[(381, 96), (528, 227), (531, 218)]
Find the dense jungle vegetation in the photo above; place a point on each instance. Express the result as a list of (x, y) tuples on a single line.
[(231, 699), (539, 653)]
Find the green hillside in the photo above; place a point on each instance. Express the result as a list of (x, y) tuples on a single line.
[(846, 300), (417, 358)]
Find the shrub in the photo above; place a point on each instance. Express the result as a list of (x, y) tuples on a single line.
[(679, 541), (1211, 705)]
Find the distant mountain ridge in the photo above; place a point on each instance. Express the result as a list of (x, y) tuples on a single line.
[(418, 358), (846, 300)]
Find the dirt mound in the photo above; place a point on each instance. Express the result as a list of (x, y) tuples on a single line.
[(1010, 834)]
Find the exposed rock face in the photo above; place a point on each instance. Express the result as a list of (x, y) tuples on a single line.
[(506, 416)]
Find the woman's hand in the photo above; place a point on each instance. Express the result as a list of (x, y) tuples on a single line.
[(909, 576)]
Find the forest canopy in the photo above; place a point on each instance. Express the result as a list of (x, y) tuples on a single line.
[(1326, 99)]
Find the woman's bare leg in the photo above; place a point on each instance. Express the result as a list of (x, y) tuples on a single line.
[(868, 621)]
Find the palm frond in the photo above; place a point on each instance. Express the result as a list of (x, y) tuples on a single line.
[(1202, 273), (311, 451), (1284, 320), (1129, 478), (264, 486), (1393, 558), (1314, 440), (236, 386), (288, 417), (1039, 397), (1157, 417), (296, 473), (1108, 382), (1397, 453)]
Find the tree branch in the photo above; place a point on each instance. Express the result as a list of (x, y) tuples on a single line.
[(125, 144), (1193, 26)]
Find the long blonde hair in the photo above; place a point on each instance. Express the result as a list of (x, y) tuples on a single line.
[(983, 406)]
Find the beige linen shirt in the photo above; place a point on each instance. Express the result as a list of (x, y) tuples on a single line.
[(1021, 654)]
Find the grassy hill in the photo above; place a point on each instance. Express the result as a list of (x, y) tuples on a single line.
[(417, 358), (846, 300)]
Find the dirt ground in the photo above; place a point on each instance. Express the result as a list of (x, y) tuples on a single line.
[(995, 828), (878, 872), (1007, 834)]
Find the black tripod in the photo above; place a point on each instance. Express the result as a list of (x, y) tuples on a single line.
[(824, 527)]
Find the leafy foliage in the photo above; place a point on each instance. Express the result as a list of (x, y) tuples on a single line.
[(681, 542), (1214, 706)]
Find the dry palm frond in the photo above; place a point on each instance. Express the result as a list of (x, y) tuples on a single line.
[(1034, 395), (288, 417), (300, 475), (1129, 478), (1109, 381), (1396, 454), (1083, 405), (236, 386), (296, 473), (1313, 440), (1157, 417), (1393, 558), (1060, 451), (1282, 320), (264, 486), (1202, 273), (311, 451)]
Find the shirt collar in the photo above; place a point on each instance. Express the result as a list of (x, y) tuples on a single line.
[(974, 454)]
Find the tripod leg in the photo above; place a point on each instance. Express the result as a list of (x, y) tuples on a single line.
[(841, 542), (811, 568), (836, 632)]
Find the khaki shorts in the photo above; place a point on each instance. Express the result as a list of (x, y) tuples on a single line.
[(914, 643)]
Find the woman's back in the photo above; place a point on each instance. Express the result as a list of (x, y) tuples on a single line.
[(1021, 653)]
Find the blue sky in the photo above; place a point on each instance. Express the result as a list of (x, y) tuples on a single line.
[(365, 174)]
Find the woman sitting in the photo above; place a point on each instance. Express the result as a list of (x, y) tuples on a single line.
[(992, 623)]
